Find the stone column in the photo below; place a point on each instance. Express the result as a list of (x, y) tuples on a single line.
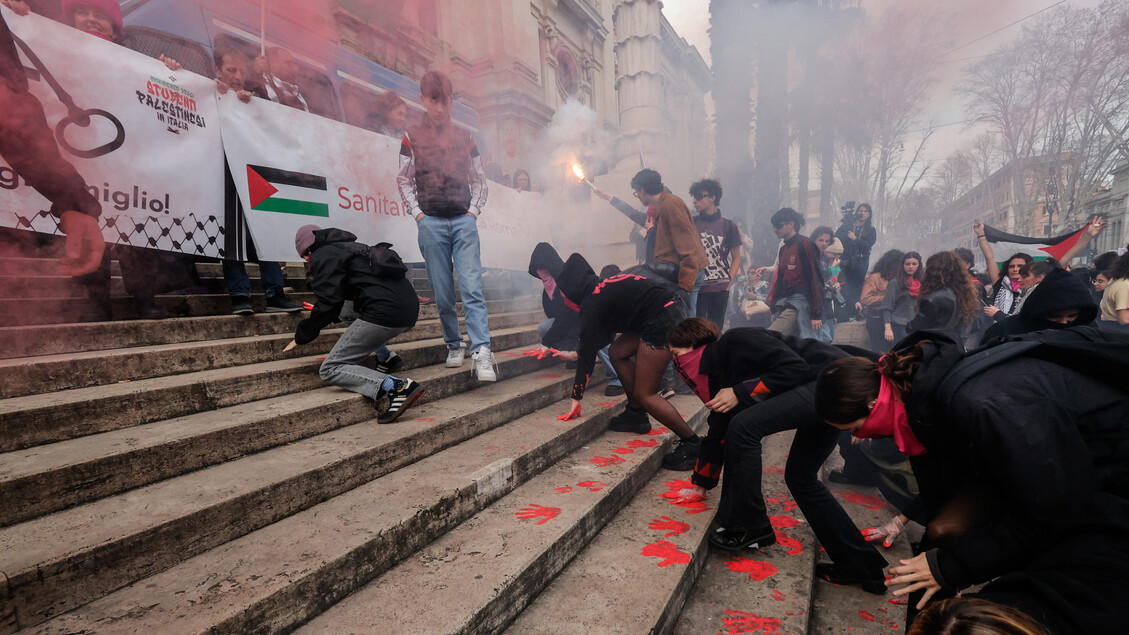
[(639, 84)]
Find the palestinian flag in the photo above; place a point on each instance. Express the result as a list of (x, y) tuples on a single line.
[(1005, 245), (286, 192)]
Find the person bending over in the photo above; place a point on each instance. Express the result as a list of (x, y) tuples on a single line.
[(758, 382), (642, 311), (382, 296)]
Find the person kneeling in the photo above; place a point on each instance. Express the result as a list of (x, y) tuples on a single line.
[(383, 297)]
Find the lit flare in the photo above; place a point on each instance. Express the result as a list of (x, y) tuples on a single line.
[(579, 172)]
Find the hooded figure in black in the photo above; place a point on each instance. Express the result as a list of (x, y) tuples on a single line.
[(1060, 301), (643, 311), (562, 328), (1022, 458), (343, 269)]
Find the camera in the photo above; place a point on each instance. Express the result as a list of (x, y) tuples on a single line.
[(848, 212)]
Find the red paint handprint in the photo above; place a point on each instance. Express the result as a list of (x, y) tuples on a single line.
[(654, 432), (742, 622), (592, 486), (605, 461), (783, 501), (668, 551), (537, 511), (778, 596), (674, 527), (640, 443), (793, 546), (675, 497), (563, 490), (757, 569), (783, 522), (605, 404), (623, 451)]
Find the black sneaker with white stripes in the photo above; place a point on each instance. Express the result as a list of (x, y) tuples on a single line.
[(402, 396), (390, 365)]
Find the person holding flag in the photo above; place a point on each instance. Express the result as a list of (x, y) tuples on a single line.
[(1005, 275)]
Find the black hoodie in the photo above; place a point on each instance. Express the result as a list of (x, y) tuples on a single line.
[(1059, 290), (340, 269), (565, 330), (623, 303)]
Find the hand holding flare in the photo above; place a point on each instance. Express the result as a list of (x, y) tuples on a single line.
[(579, 172)]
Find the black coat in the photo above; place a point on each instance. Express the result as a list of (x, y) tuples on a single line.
[(1047, 442), (565, 331), (1059, 290), (757, 364), (341, 271)]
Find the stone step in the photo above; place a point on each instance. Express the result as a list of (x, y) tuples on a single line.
[(838, 609), (59, 310), (44, 418), (637, 571), (47, 478), (50, 267), (24, 287), (751, 590), (478, 577), (282, 574), (50, 339), (49, 373)]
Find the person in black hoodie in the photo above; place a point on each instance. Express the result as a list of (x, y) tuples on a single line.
[(561, 329), (343, 269), (758, 382), (1021, 452), (643, 311), (1060, 301)]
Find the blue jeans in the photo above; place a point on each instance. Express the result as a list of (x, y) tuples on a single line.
[(239, 283), (613, 379), (693, 304), (447, 241)]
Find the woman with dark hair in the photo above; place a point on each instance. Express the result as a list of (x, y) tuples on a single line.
[(1020, 454), (858, 239), (390, 114), (901, 296), (874, 291), (946, 302), (521, 181), (642, 312), (1115, 298), (973, 616), (1006, 279), (758, 382)]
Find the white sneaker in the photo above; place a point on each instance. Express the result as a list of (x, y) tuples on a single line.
[(484, 365), (455, 355)]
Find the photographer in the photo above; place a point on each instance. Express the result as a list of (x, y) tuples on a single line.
[(858, 236)]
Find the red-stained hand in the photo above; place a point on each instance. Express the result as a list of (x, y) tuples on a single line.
[(573, 412), (915, 575), (672, 527), (668, 551), (307, 306), (536, 511), (84, 244), (568, 356)]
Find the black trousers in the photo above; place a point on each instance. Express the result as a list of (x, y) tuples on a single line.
[(742, 505), (712, 306)]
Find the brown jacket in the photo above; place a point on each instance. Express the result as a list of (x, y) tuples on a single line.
[(873, 289), (677, 240)]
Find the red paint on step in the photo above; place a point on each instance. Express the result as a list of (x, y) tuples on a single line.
[(673, 527), (869, 502), (674, 497), (772, 469), (742, 622), (605, 461), (551, 375), (783, 501), (668, 551), (900, 601), (795, 547), (654, 432), (427, 419), (605, 404), (537, 511), (778, 596), (866, 616), (623, 451), (757, 569), (640, 443), (783, 522), (563, 490), (592, 486)]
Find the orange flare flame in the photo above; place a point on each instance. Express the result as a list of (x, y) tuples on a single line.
[(578, 171)]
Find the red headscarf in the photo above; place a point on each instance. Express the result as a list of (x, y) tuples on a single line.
[(688, 366)]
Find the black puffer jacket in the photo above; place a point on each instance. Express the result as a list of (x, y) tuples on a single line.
[(341, 271), (1059, 290), (1042, 435)]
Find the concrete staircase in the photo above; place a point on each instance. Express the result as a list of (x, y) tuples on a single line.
[(186, 476)]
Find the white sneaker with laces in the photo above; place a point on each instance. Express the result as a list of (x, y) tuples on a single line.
[(455, 355), (484, 365)]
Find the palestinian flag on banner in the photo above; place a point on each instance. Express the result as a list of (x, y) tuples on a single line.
[(1004, 245), (286, 192)]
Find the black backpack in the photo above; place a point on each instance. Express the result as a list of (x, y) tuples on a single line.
[(383, 261)]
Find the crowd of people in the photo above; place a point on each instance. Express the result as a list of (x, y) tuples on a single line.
[(1001, 391)]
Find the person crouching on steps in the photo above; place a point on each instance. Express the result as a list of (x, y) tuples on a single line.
[(383, 297), (643, 311)]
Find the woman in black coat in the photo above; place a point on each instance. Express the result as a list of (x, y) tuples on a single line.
[(1021, 452), (757, 382), (947, 302), (858, 239)]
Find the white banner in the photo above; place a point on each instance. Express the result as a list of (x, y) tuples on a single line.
[(292, 169), (158, 172)]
